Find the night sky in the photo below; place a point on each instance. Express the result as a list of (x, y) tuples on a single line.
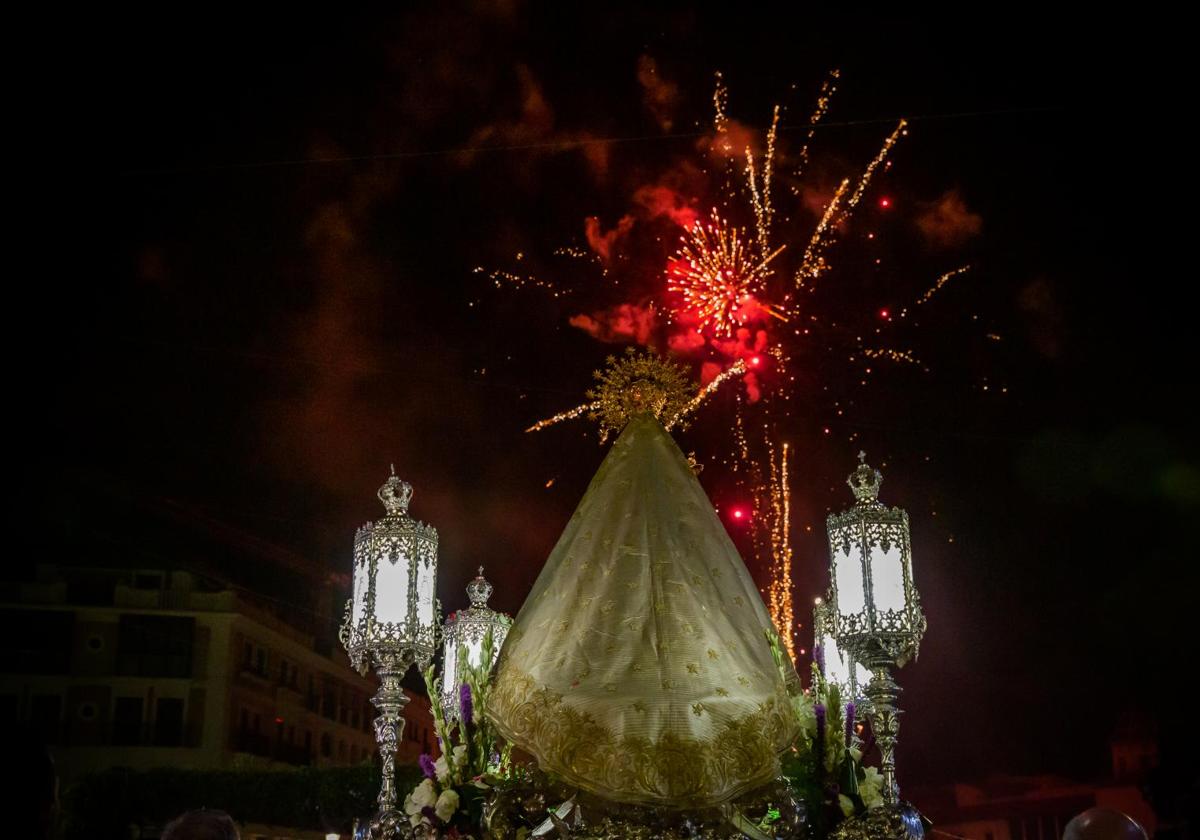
[(262, 299)]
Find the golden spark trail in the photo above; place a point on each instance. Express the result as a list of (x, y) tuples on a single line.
[(738, 367), (761, 201), (828, 88), (813, 265), (779, 592), (501, 278), (941, 281), (905, 356), (566, 415), (720, 103), (865, 180)]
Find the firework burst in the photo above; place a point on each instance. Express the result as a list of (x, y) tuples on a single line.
[(719, 278)]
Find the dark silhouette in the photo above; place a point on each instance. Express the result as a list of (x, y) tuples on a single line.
[(202, 825), (36, 780)]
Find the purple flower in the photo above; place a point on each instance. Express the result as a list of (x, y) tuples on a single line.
[(820, 712), (426, 762), (850, 722), (819, 658), (464, 704)]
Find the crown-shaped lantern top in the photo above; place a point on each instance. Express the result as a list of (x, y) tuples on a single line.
[(395, 494), (865, 482), (479, 590)]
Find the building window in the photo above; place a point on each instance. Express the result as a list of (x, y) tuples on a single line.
[(168, 722), (247, 655), (127, 721), (326, 746), (329, 704), (155, 645), (260, 662)]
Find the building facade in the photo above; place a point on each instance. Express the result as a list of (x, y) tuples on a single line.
[(144, 668)]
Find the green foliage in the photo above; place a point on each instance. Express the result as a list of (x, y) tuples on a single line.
[(108, 804)]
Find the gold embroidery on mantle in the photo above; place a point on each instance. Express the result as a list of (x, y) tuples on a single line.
[(674, 771)]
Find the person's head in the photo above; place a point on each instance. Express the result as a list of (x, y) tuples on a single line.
[(202, 825)]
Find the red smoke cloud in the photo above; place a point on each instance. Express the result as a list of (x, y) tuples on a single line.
[(659, 95), (947, 222), (603, 241), (650, 202), (732, 142), (622, 323), (657, 200)]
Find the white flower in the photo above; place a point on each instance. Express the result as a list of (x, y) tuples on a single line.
[(423, 796), (447, 804), (846, 804), (871, 788), (442, 768)]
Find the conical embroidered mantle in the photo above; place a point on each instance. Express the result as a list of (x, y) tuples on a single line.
[(638, 668)]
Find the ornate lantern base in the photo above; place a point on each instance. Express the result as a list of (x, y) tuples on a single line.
[(390, 700), (899, 821), (882, 692)]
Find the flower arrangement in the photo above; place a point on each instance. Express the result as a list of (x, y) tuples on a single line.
[(449, 801), (825, 764)]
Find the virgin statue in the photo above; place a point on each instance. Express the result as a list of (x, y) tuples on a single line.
[(639, 668)]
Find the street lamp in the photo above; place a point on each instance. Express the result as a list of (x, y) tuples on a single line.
[(840, 667), (466, 630), (391, 620), (876, 611)]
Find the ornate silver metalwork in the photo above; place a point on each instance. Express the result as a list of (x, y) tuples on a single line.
[(896, 821), (467, 629), (390, 622), (875, 609)]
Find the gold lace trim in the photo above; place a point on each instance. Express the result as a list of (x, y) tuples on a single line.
[(673, 771)]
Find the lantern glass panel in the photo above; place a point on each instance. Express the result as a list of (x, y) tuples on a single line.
[(848, 575), (887, 578), (425, 594), (475, 652), (391, 589), (450, 665), (837, 667), (359, 602)]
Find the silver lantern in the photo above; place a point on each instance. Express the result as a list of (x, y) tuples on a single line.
[(875, 609), (391, 621), (464, 633)]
